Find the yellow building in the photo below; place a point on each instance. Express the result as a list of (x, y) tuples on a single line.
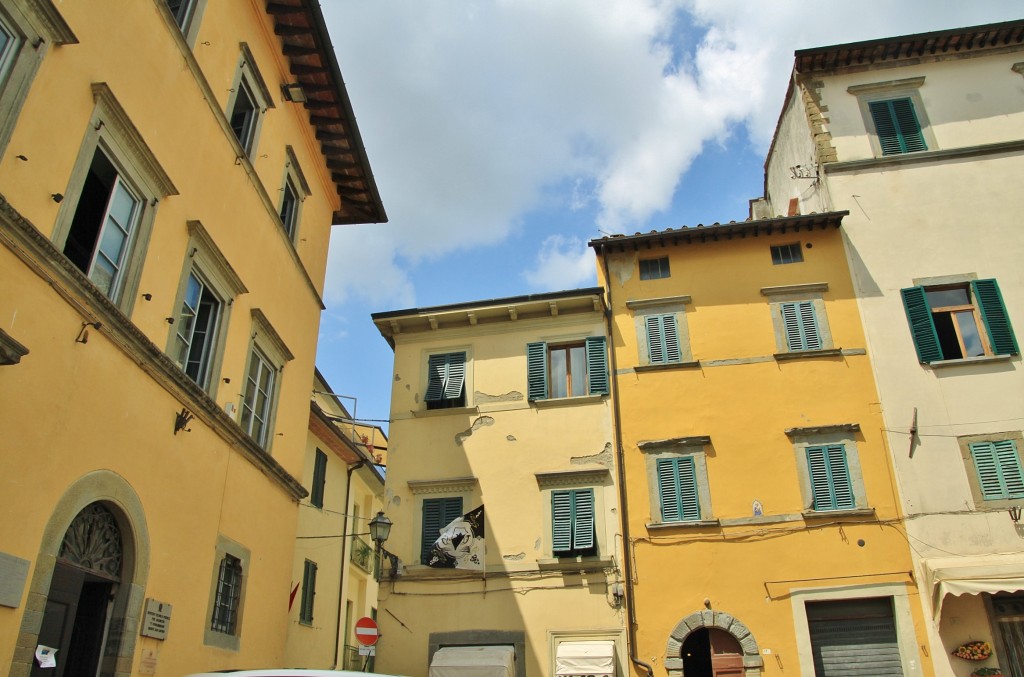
[(760, 511), (501, 489), (167, 200), (332, 574)]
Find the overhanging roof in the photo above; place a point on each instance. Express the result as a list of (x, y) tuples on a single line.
[(971, 575), (717, 232), (306, 44), (916, 46)]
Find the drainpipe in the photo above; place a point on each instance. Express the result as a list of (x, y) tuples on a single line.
[(627, 559), (344, 563)]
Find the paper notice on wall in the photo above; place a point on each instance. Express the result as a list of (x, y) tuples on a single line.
[(46, 656)]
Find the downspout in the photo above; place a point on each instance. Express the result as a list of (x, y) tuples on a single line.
[(627, 558), (344, 563)]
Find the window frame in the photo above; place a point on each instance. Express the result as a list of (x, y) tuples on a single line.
[(112, 133), (227, 548), (597, 482), (842, 436), (989, 311), (204, 259), (793, 251), (187, 22), (308, 600), (806, 303), (266, 345), (539, 372), (448, 506), (661, 271), (573, 534), (319, 481), (295, 181), (695, 451), (671, 305), (892, 90), (967, 452), (247, 79)]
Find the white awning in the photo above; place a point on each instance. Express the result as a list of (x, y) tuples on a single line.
[(971, 576), (474, 661), (586, 658)]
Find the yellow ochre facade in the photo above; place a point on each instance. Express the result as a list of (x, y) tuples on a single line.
[(761, 513), (165, 210)]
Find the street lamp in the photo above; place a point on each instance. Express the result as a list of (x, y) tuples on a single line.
[(380, 529)]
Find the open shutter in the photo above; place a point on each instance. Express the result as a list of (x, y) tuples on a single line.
[(817, 469), (583, 527), (456, 375), (989, 476), (997, 321), (1009, 463), (922, 327), (561, 521), (537, 370), (839, 477), (668, 490), (437, 375), (597, 365), (689, 504)]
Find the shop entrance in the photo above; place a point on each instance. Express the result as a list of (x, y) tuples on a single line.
[(710, 652)]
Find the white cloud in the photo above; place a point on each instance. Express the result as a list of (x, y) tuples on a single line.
[(562, 263)]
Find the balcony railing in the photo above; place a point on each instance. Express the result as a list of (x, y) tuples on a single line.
[(362, 554)]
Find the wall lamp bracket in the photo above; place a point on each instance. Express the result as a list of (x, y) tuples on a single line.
[(1014, 513), (83, 333), (182, 419)]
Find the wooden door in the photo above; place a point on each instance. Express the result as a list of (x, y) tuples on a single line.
[(726, 654)]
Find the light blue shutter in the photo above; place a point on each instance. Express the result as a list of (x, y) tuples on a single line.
[(839, 476), (830, 478), (583, 519), (999, 469), (561, 521), (437, 374), (456, 375), (668, 490), (993, 312), (677, 487), (662, 339), (922, 327), (801, 326), (597, 365), (537, 371), (671, 336)]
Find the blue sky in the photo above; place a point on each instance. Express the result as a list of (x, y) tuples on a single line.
[(505, 134)]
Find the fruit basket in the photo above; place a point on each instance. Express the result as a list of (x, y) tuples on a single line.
[(974, 651), (987, 672)]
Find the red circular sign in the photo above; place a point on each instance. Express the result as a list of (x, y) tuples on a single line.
[(366, 631)]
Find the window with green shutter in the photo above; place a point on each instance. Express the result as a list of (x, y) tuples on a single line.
[(446, 381), (662, 339), (567, 370), (437, 514), (572, 522), (897, 126), (952, 322), (308, 592), (316, 492), (800, 326), (831, 488), (677, 489), (999, 469)]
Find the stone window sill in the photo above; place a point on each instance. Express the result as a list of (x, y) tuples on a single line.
[(683, 524), (827, 514), (567, 401), (666, 366), (941, 364), (575, 564), (806, 354), (453, 411)]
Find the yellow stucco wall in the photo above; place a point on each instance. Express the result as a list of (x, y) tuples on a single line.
[(745, 399)]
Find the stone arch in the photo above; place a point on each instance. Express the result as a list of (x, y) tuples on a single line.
[(752, 661), (116, 495)]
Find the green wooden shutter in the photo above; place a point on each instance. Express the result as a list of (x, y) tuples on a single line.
[(831, 488), (677, 487), (597, 365), (671, 336), (583, 519), (662, 339), (316, 494), (999, 469), (308, 592), (537, 370), (437, 375), (897, 126), (922, 327), (561, 521), (437, 514), (993, 312), (456, 375), (801, 326)]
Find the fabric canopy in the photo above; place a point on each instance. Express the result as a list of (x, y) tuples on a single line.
[(971, 576), (586, 658), (474, 661)]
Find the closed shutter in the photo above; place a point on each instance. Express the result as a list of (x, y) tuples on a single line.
[(922, 327), (855, 638), (537, 371), (308, 592), (897, 126), (662, 339), (561, 521), (801, 326), (830, 478), (437, 514), (583, 527), (997, 321), (572, 520), (677, 489), (597, 365), (999, 469)]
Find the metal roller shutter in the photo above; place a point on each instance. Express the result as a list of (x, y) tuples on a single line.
[(854, 638)]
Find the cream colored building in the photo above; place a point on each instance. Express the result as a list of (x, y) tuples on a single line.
[(502, 405), (332, 575), (167, 201), (921, 139)]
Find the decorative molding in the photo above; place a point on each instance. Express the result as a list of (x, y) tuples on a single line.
[(293, 164), (683, 299), (808, 288), (40, 255), (674, 443), (449, 485), (254, 72), (213, 255), (923, 156), (11, 351), (572, 478), (823, 429), (52, 23), (265, 329), (888, 85)]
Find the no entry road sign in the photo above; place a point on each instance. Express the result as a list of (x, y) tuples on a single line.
[(366, 631)]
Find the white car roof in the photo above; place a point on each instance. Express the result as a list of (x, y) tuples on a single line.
[(289, 672)]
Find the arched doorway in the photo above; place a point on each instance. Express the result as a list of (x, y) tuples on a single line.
[(79, 604), (710, 652)]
